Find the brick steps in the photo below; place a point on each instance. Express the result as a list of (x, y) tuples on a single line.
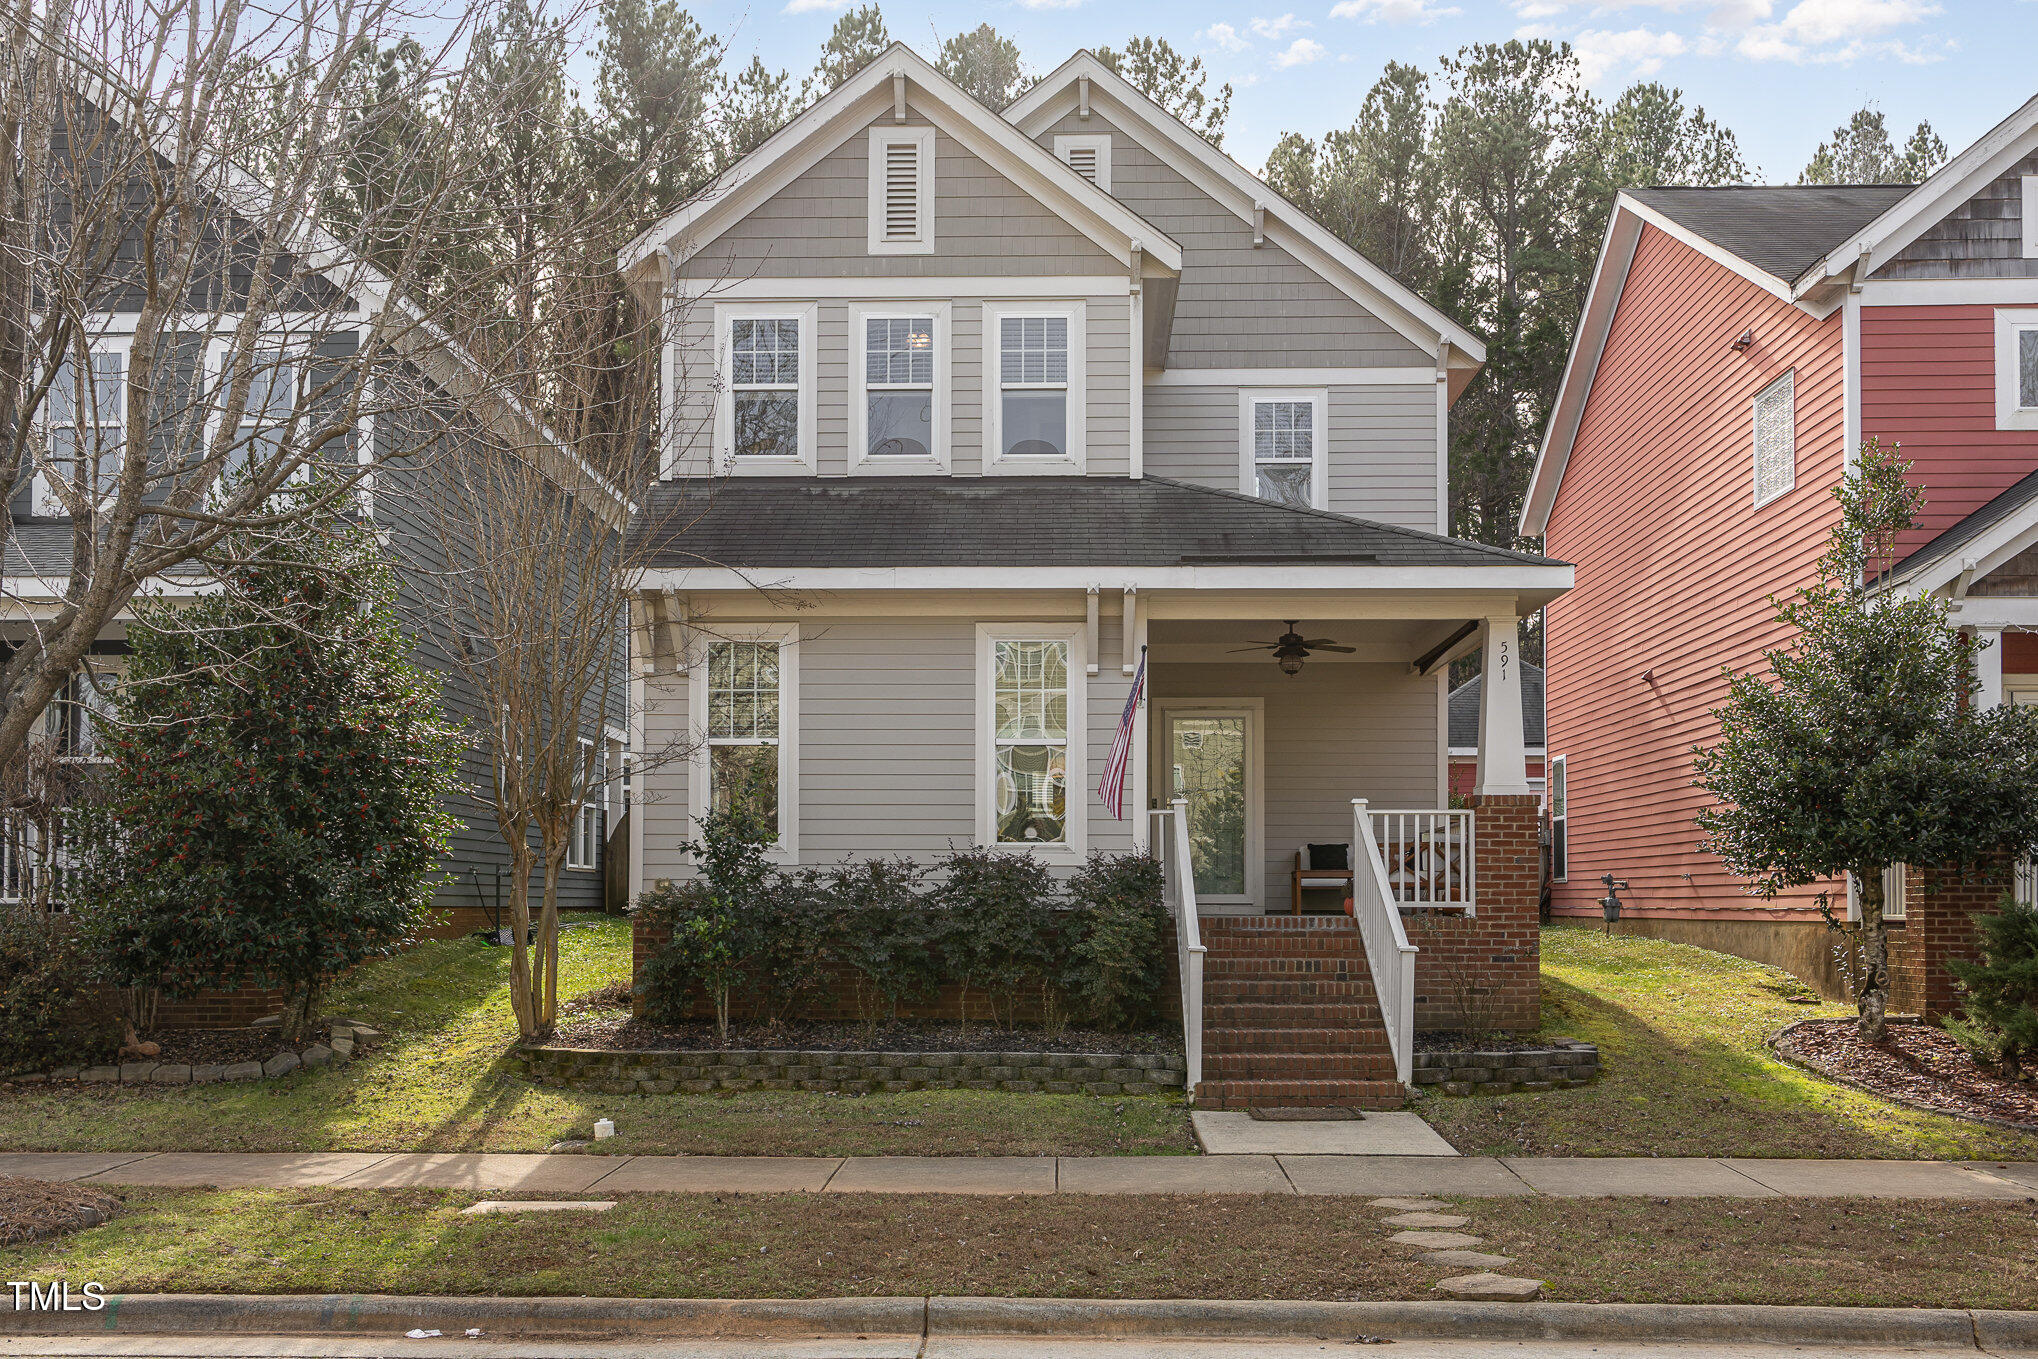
[(1287, 1094), (1292, 1015), (1275, 1039), (1298, 1066)]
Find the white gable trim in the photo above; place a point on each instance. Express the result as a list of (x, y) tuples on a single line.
[(852, 106), (1196, 160), (1975, 558), (1987, 160)]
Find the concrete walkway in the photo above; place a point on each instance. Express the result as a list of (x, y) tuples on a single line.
[(1470, 1176)]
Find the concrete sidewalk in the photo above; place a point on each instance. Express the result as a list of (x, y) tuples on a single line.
[(1470, 1176)]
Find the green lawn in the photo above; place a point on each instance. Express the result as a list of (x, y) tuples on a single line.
[(1684, 1032), (444, 1081)]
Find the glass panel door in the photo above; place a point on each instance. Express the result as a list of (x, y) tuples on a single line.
[(1207, 755)]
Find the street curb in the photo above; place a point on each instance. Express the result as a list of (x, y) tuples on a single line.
[(587, 1318)]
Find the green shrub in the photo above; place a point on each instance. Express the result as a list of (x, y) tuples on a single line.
[(721, 923), (50, 1014), (1121, 957), (883, 930), (1999, 1023), (996, 925), (794, 941)]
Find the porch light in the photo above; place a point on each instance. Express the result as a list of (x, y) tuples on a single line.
[(1291, 665)]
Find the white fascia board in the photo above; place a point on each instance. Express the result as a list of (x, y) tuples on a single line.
[(1925, 206), (1239, 190), (838, 115), (1293, 377), (1588, 343), (1403, 579), (1950, 292), (1982, 555)]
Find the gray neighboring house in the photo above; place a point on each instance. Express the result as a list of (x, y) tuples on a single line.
[(1001, 405)]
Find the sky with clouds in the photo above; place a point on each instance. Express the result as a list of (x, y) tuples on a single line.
[(1781, 74)]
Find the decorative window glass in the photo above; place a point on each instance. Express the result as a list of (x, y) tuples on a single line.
[(1030, 734), (898, 375), (1033, 377), (1775, 439), (2027, 368), (743, 731), (1559, 791), (764, 378), (1284, 452), (86, 410)]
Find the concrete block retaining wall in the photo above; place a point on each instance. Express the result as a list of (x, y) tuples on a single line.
[(658, 1073), (1566, 1063)]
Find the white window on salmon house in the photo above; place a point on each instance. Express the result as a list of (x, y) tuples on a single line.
[(1031, 769), (744, 693)]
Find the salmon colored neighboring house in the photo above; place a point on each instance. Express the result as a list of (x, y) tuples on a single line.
[(1736, 347)]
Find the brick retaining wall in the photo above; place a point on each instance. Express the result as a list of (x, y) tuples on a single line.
[(659, 1073)]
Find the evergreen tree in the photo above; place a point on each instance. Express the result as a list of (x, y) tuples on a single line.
[(984, 63), (658, 75), (1862, 153), (2000, 1013), (756, 102), (1862, 747), (857, 39), (1158, 71), (273, 811)]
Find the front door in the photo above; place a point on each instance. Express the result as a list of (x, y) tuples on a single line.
[(1212, 758)]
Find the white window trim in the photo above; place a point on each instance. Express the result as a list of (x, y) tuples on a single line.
[(880, 136), (1755, 443), (787, 636), (2028, 214), (1100, 142), (1319, 471), (2010, 322), (1076, 844), (217, 352), (1558, 769), (860, 460), (1895, 894), (43, 502), (995, 462), (575, 859), (726, 314)]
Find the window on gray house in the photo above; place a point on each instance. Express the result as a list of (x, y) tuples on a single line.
[(1034, 378), (743, 729), (898, 381), (764, 378)]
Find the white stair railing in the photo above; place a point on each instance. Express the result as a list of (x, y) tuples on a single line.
[(1429, 856), (1178, 891), (1388, 952)]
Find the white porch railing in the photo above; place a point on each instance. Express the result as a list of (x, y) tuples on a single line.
[(1429, 856), (1178, 891), (1388, 952)]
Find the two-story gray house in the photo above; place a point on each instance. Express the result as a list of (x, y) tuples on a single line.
[(976, 415)]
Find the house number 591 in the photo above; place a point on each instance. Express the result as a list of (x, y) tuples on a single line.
[(1506, 654)]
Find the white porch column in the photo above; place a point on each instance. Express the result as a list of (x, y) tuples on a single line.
[(1503, 762), (1988, 668)]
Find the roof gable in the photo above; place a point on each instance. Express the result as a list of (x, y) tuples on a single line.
[(1780, 229)]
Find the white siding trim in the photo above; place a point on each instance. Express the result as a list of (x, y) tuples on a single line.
[(1292, 377), (883, 138), (1487, 582), (940, 436), (869, 289), (804, 465), (2010, 324), (995, 463), (1319, 439), (1950, 292), (2028, 212), (787, 636), (1076, 820)]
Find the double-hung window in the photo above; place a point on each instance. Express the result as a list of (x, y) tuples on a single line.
[(900, 404), (2017, 367), (1035, 415), (1559, 791), (765, 419), (1281, 453), (273, 376), (592, 778), (1776, 438), (1031, 763), (86, 412), (746, 687)]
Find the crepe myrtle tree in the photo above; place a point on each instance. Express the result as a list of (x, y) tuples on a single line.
[(1862, 746)]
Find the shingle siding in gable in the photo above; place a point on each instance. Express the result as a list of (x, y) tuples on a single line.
[(1239, 306), (817, 226), (1982, 238)]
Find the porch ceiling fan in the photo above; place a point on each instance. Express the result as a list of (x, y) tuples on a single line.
[(1292, 649)]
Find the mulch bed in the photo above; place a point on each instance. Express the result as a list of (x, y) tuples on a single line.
[(1449, 1040), (612, 1032), (31, 1210), (1919, 1065), (224, 1047)]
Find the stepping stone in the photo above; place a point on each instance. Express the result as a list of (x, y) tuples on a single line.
[(494, 1207), (1468, 1259), (1409, 1205), (1491, 1288), (1436, 1240), (1427, 1220)]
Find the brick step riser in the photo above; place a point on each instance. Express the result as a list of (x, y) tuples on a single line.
[(1332, 1041), (1380, 1095), (1297, 1066), (1289, 1015), (1233, 991), (1309, 972)]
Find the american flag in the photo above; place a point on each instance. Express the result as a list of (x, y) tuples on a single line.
[(1112, 790)]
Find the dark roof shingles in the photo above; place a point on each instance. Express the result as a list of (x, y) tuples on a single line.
[(1464, 711), (1780, 229)]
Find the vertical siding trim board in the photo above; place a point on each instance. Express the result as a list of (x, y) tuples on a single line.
[(1076, 733)]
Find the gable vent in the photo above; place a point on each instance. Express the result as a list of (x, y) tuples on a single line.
[(1088, 154), (1083, 160), (902, 191)]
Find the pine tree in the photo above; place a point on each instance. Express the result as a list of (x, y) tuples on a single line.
[(2000, 1011), (1158, 71), (274, 807), (854, 43), (985, 63), (1862, 153)]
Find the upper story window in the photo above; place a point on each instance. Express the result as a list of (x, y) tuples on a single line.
[(900, 402), (765, 418), (1281, 453), (84, 414), (1088, 154), (1031, 726), (1035, 415), (2017, 368), (1776, 438), (901, 191), (273, 390)]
